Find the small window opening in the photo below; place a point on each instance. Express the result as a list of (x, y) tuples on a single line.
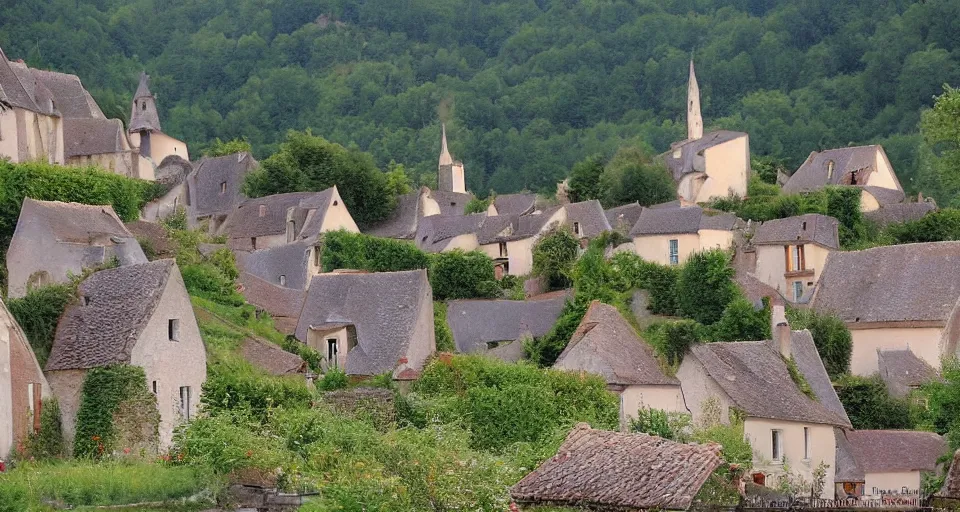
[(335, 202), (674, 252), (30, 396), (263, 210), (86, 300), (492, 345), (332, 352), (154, 387), (806, 442), (503, 249), (283, 280), (452, 203), (173, 329), (803, 226), (777, 445), (316, 257), (830, 166), (143, 105), (253, 242), (185, 402), (223, 187), (576, 228)]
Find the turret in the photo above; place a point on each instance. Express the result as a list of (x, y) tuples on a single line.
[(143, 115), (694, 119), (450, 177)]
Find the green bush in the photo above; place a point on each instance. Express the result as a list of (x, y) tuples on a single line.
[(207, 281), (869, 406), (477, 205), (234, 384), (441, 328), (106, 391), (742, 322), (672, 339), (938, 226), (553, 257), (462, 275), (38, 313), (48, 442), (224, 260), (333, 380), (342, 250), (831, 336), (660, 281), (705, 286), (310, 356)]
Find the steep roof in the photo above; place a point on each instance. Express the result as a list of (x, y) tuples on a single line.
[(92, 136), (247, 221), (72, 98), (688, 219), (451, 203), (434, 231), (515, 204), (902, 370), (900, 212), (143, 116), (889, 451), (474, 323), (756, 290), (271, 358), (71, 222), (383, 307), (606, 344), (283, 304), (624, 471), (622, 218), (288, 260), (885, 195), (403, 221), (506, 228), (154, 234), (814, 173), (13, 91), (590, 216), (741, 368), (910, 282), (809, 228), (848, 470), (691, 149), (216, 183), (37, 90), (104, 327)]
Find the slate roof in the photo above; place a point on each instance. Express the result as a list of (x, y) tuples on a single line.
[(951, 484), (515, 204), (72, 98), (590, 216), (755, 290), (506, 228), (902, 370), (144, 119), (622, 218), (900, 212), (689, 219), (403, 221), (809, 228), (451, 203), (246, 222), (433, 232), (382, 306), (71, 222), (848, 470), (910, 282), (208, 177), (476, 322), (598, 468), (13, 91), (606, 344), (690, 149), (885, 195), (814, 174), (154, 234), (92, 136), (290, 260), (889, 451), (271, 358), (283, 304), (119, 303), (741, 368)]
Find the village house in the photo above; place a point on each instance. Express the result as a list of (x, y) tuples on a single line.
[(291, 265), (903, 372), (144, 127), (509, 239), (370, 324), (513, 204), (139, 315), (866, 167), (215, 188), (791, 252), (281, 303), (498, 327), (897, 213), (622, 218), (607, 345), (586, 220), (898, 297), (614, 471), (70, 237), (22, 386), (440, 233), (273, 221), (751, 381), (711, 165), (669, 236), (171, 177), (31, 127), (878, 464), (411, 209)]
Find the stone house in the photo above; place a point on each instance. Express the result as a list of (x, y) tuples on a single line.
[(622, 218), (31, 127), (791, 252), (442, 233), (22, 386), (412, 208), (898, 297), (711, 165), (586, 220), (513, 204), (291, 265), (509, 239), (866, 167), (71, 237), (497, 327), (614, 471), (370, 324), (903, 372), (280, 219), (215, 188), (883, 464), (669, 235), (281, 303), (751, 380), (171, 176), (139, 315), (144, 127), (606, 344)]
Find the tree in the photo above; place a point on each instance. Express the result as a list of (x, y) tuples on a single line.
[(940, 128), (869, 405), (585, 179), (553, 257), (742, 322), (462, 275), (221, 148), (830, 335), (634, 176), (705, 286)]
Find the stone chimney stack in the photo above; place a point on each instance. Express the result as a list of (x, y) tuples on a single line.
[(781, 331)]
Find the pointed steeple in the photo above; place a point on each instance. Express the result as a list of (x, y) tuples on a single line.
[(445, 158), (694, 119), (143, 113)]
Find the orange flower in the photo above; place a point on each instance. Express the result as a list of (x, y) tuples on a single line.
[(249, 454), (95, 438)]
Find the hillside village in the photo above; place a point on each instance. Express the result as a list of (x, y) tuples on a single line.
[(529, 351)]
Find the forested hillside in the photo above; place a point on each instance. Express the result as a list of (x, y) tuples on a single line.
[(528, 87)]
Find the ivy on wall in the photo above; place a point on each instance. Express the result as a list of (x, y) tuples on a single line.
[(117, 411)]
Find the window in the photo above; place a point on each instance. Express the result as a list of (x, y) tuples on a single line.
[(674, 252), (291, 231), (335, 202), (503, 249), (806, 443), (185, 402), (253, 242), (576, 228), (830, 166), (173, 329), (223, 187), (796, 260), (154, 387), (143, 106), (316, 257), (332, 352), (777, 439), (30, 397), (803, 226), (263, 210), (283, 280), (797, 291)]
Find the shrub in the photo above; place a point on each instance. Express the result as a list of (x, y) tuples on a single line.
[(672, 339), (462, 275), (115, 407), (224, 260), (207, 281), (742, 322), (313, 358), (937, 226), (831, 336), (705, 286), (477, 205), (441, 329), (660, 281), (233, 384), (333, 380), (658, 422), (47, 443), (38, 312), (227, 441), (342, 249), (553, 257), (869, 406)]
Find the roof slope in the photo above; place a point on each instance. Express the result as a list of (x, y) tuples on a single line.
[(73, 99), (283, 304), (451, 203), (902, 370), (809, 228), (383, 307), (691, 149), (814, 173), (606, 344), (610, 469), (118, 304), (848, 470), (515, 204), (402, 222), (474, 323), (92, 136), (888, 451), (246, 221), (433, 231), (71, 222), (288, 260), (911, 282), (951, 484), (688, 219), (271, 358), (590, 216), (622, 218), (13, 91), (216, 183), (900, 212)]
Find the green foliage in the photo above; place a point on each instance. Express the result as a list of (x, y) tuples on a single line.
[(937, 226), (221, 148), (633, 175), (797, 377), (672, 339), (462, 275), (38, 313), (308, 162), (843, 204), (705, 286), (943, 403), (585, 179), (176, 220), (869, 405), (441, 329), (116, 407), (765, 168), (477, 205), (47, 443), (659, 280), (553, 257), (332, 380), (310, 356), (657, 422), (831, 336), (344, 250), (207, 281), (233, 384), (940, 152), (742, 322), (225, 262)]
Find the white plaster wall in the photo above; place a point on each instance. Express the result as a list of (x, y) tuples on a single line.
[(172, 363), (338, 216), (428, 206), (823, 446), (884, 177), (715, 239), (59, 259), (458, 184), (697, 388), (165, 206), (8, 135), (317, 340), (924, 342), (868, 203), (423, 342), (656, 248), (904, 482), (467, 242), (162, 146), (727, 168), (665, 398), (772, 266)]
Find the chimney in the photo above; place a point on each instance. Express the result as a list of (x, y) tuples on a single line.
[(781, 330)]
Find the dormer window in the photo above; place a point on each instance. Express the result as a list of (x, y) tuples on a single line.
[(576, 228), (283, 280), (143, 105), (263, 210), (830, 165), (335, 202), (223, 187)]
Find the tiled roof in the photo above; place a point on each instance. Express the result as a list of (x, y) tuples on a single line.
[(902, 370), (505, 228), (689, 219), (153, 233), (515, 204), (598, 468), (216, 184), (885, 195), (606, 344), (246, 221), (271, 358), (755, 290), (72, 98), (590, 216), (891, 451), (814, 173), (283, 304), (116, 305), (622, 218), (92, 136), (900, 212), (690, 149), (12, 90), (71, 222), (289, 260), (809, 228), (848, 470), (434, 231), (451, 203), (403, 221), (911, 282), (383, 307), (474, 323)]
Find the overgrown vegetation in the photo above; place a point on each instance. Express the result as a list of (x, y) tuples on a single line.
[(117, 412), (47, 443), (869, 405), (462, 275), (831, 336), (554, 254), (38, 312), (441, 329)]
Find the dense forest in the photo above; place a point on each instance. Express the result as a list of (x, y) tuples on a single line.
[(527, 87)]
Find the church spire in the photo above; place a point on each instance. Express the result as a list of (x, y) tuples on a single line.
[(143, 113), (694, 119), (445, 158)]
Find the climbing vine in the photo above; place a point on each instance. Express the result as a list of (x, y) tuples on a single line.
[(117, 412)]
